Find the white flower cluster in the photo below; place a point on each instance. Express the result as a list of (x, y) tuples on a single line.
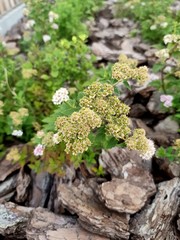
[(52, 16), (17, 133), (46, 38), (170, 38), (29, 24), (151, 151), (163, 54), (61, 95)]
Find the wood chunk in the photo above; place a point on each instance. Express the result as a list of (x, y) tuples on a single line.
[(23, 182), (13, 220), (42, 184), (6, 168), (46, 225), (93, 216), (126, 195), (140, 177), (8, 185), (114, 159), (154, 221)]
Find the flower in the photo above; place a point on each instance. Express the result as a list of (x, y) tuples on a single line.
[(55, 26), (40, 134), (167, 69), (29, 24), (55, 138), (164, 24), (39, 149), (150, 152), (60, 96), (163, 54), (166, 100), (46, 38), (52, 16), (153, 27), (169, 38), (17, 133)]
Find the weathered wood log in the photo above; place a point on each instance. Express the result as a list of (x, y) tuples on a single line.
[(154, 222), (45, 225), (93, 216), (13, 220)]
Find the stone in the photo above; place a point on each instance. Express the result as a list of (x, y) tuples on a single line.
[(42, 183), (101, 50), (167, 125), (123, 196), (103, 23), (8, 185), (154, 105), (154, 222), (137, 110), (93, 216), (45, 225)]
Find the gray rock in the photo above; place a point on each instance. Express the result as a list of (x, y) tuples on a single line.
[(103, 23), (154, 105), (167, 125)]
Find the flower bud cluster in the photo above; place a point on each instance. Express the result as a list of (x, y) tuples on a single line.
[(13, 155), (74, 130), (139, 142), (17, 117), (113, 113), (127, 69)]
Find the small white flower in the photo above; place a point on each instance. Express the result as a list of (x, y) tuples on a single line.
[(153, 27), (39, 149), (55, 26), (17, 133), (29, 24), (167, 69), (46, 38), (164, 24), (151, 151), (162, 54), (55, 138), (52, 16), (143, 3), (60, 96)]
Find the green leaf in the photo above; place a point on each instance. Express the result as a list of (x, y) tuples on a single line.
[(126, 84), (157, 67)]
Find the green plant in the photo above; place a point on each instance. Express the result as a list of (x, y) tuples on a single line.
[(169, 67), (171, 153), (155, 17), (93, 120)]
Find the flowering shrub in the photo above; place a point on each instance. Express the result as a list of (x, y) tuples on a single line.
[(60, 19), (156, 18), (96, 119), (168, 65)]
